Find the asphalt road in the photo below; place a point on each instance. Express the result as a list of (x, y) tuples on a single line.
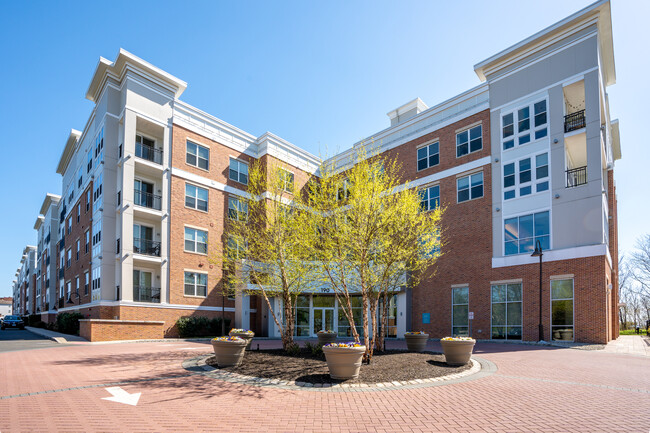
[(12, 340)]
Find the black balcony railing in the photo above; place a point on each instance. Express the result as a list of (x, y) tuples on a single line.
[(61, 273), (47, 284), (147, 199), (149, 153), (146, 294), (62, 243), (146, 247), (574, 121), (576, 176)]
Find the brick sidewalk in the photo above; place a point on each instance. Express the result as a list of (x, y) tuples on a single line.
[(534, 389)]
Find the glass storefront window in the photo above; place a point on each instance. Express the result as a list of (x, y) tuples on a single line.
[(391, 330), (562, 310), (459, 311), (302, 316), (506, 311)]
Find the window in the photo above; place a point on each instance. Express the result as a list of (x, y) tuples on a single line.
[(96, 283), (506, 311), (78, 212), (99, 146), (523, 232), (68, 287), (235, 248), (69, 225), (468, 141), (76, 285), (344, 190), (518, 127), (98, 187), (430, 198), (528, 177), (460, 310), (197, 155), (238, 171), (286, 178), (196, 284), (87, 238), (237, 210), (86, 282), (70, 193), (196, 198), (78, 248), (562, 309), (196, 241), (68, 258), (428, 156), (97, 238), (470, 187), (88, 197), (89, 164), (80, 178)]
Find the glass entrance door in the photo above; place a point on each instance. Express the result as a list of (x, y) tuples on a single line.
[(323, 319)]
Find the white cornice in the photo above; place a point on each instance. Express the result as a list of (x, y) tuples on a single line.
[(599, 12), (68, 150)]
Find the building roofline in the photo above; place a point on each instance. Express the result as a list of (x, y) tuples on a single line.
[(105, 67), (600, 10), (39, 222), (48, 201), (68, 151)]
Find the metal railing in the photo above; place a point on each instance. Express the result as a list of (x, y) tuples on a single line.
[(146, 247), (146, 294), (61, 273), (147, 199), (149, 153), (576, 176), (62, 243), (574, 121)]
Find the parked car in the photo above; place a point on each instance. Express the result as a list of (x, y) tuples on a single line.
[(12, 322)]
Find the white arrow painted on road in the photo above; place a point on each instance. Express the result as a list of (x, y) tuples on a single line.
[(121, 396)]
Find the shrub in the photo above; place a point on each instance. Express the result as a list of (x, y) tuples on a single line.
[(40, 324), (293, 349), (68, 323), (33, 319), (316, 349), (200, 326)]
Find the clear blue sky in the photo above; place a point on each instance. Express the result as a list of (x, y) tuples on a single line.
[(321, 74)]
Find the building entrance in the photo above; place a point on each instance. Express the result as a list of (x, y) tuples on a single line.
[(323, 319)]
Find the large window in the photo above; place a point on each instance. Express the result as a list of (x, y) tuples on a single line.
[(562, 309), (238, 171), (197, 155), (460, 311), (430, 198), (302, 316), (524, 125), (428, 156), (237, 210), (506, 311), (468, 141), (522, 233), (344, 329), (286, 178), (525, 176), (470, 187), (196, 197), (196, 284), (196, 241)]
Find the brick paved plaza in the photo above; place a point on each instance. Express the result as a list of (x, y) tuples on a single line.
[(533, 389)]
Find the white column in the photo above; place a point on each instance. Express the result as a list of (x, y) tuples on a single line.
[(242, 310), (401, 314), (128, 177)]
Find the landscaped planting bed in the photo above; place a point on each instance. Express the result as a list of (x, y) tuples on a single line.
[(305, 367)]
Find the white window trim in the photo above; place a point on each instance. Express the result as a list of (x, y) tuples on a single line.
[(431, 185), (241, 161), (195, 242), (524, 213), (241, 204), (532, 130), (505, 283), (460, 176), (195, 284), (196, 198), (469, 150), (452, 307), (533, 176), (188, 140), (427, 144)]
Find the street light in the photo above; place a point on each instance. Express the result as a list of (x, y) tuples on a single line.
[(70, 301), (538, 253)]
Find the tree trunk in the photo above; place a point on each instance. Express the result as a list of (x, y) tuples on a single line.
[(287, 329), (366, 339), (373, 324), (384, 322)]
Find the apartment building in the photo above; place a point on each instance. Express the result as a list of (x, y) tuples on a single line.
[(523, 161), (24, 286)]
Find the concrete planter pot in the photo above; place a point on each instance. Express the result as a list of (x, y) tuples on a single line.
[(416, 342), (229, 353), (326, 337), (566, 334), (247, 336), (457, 352), (344, 362)]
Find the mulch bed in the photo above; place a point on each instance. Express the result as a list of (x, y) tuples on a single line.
[(388, 366)]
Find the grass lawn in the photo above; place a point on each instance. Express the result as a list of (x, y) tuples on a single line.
[(632, 332)]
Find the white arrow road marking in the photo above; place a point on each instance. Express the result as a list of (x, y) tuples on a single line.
[(121, 396)]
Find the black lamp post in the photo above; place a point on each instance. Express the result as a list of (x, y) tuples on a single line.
[(538, 253), (70, 301)]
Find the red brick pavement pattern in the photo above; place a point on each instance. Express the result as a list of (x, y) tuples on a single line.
[(527, 394)]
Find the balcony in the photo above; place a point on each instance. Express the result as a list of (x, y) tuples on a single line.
[(149, 153), (576, 177), (146, 247), (61, 273), (62, 243), (574, 121), (146, 294), (147, 199)]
